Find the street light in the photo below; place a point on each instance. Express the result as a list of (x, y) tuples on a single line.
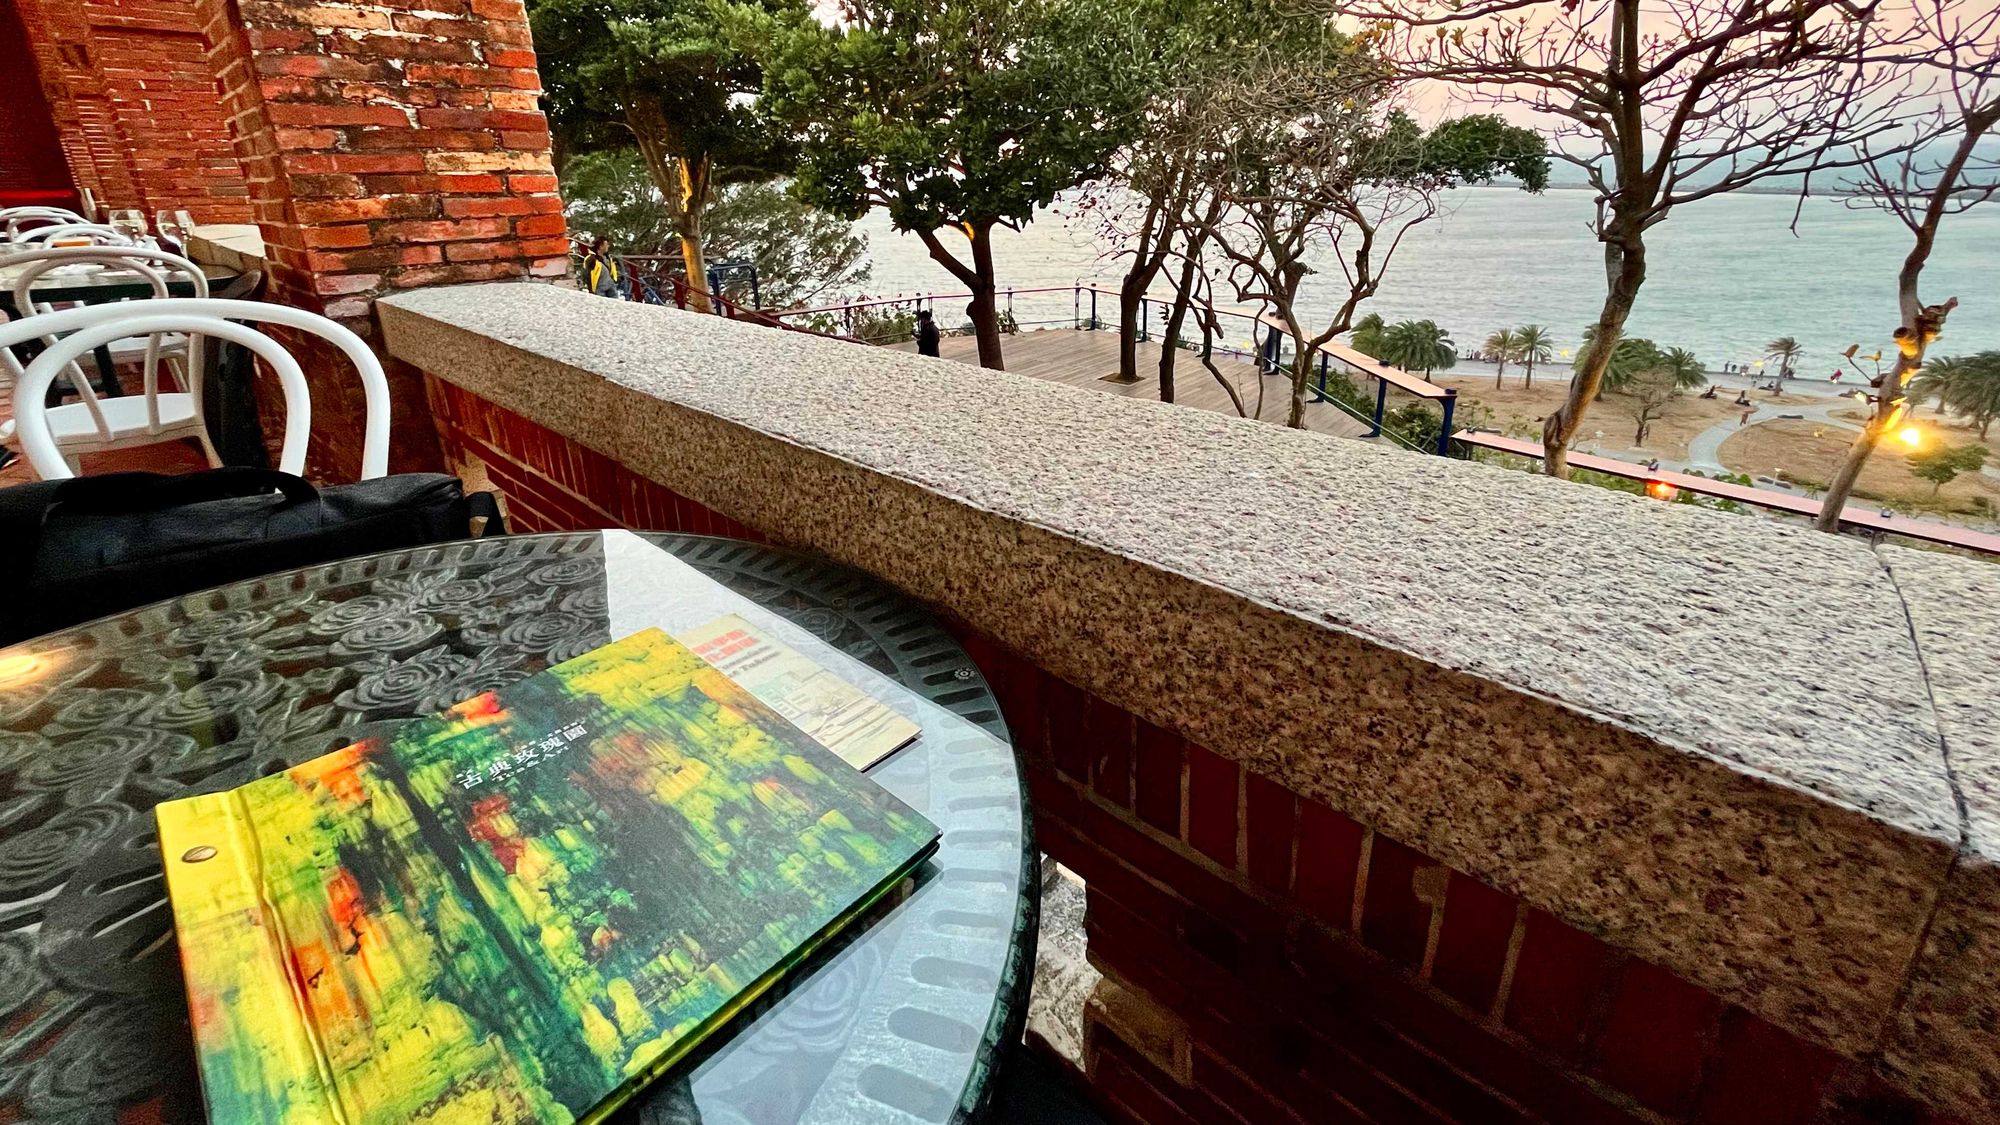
[(1911, 436)]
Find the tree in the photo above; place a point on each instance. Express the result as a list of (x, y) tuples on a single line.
[(1314, 153), (1146, 209), (1533, 345), (1686, 370), (955, 118), (1954, 46), (1418, 345), (1501, 346), (1970, 388), (801, 254), (1786, 351), (1660, 105), (1941, 464), (1646, 397), (1368, 333), (1632, 356), (661, 75)]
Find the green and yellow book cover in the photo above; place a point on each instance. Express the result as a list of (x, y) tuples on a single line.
[(523, 909)]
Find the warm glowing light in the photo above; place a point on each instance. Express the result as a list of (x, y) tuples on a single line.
[(21, 669), (1661, 490), (1911, 436)]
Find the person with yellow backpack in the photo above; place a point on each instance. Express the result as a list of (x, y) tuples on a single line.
[(603, 273)]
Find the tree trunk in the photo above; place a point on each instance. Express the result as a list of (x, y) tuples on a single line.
[(1176, 316), (1302, 364), (682, 182), (1528, 376), (1625, 267), (978, 278), (689, 228), (1131, 295), (985, 318)]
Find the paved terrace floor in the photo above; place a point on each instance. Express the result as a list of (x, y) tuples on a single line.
[(1082, 358)]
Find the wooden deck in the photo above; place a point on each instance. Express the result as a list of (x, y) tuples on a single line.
[(1083, 359)]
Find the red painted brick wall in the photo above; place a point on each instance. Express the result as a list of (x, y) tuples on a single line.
[(33, 168), (1269, 959), (388, 145), (130, 92)]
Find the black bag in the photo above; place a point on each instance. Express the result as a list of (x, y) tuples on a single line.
[(75, 550)]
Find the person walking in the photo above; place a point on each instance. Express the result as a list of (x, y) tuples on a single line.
[(927, 333), (603, 274)]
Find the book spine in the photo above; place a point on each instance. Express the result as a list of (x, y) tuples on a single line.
[(253, 1030)]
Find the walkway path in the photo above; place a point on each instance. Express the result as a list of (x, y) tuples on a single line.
[(1705, 448)]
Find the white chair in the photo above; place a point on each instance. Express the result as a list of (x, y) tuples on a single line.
[(78, 331), (94, 424), (19, 219), (93, 234)]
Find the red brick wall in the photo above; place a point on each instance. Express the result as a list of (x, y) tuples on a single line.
[(131, 94), (1268, 959), (33, 168), (388, 145)]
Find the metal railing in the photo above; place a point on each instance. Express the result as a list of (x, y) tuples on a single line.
[(862, 322), (1266, 345)]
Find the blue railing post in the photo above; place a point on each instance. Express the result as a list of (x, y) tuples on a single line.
[(1381, 403), (1076, 306), (1093, 310), (1322, 377), (1145, 308), (1444, 434)]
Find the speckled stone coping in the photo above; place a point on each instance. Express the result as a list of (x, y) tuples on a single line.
[(1707, 738)]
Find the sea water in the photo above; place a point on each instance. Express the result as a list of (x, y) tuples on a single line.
[(1725, 275)]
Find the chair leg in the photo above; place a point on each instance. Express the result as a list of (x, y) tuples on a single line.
[(208, 450)]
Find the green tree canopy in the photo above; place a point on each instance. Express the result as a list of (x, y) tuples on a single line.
[(1418, 345), (1969, 386), (1368, 333), (1685, 369), (663, 76), (1941, 464), (1533, 345), (955, 117)]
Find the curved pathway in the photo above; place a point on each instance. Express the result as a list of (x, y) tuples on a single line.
[(1705, 448)]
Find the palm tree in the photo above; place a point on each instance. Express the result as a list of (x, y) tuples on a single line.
[(1933, 377), (1367, 335), (1418, 345), (1501, 346), (1973, 390), (1532, 345), (1688, 372), (1633, 355), (1787, 352)]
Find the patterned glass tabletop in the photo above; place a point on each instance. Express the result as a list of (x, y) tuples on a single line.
[(901, 1023)]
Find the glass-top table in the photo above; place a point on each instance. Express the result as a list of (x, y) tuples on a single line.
[(901, 1023)]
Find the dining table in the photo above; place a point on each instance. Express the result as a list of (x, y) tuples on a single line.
[(92, 284), (903, 1021)]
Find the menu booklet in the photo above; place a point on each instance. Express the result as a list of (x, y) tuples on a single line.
[(838, 715), (525, 908)]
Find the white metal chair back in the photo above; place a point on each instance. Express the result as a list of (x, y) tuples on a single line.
[(152, 265), (18, 219), (80, 330), (96, 234)]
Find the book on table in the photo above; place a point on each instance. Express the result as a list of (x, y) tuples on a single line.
[(525, 908)]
